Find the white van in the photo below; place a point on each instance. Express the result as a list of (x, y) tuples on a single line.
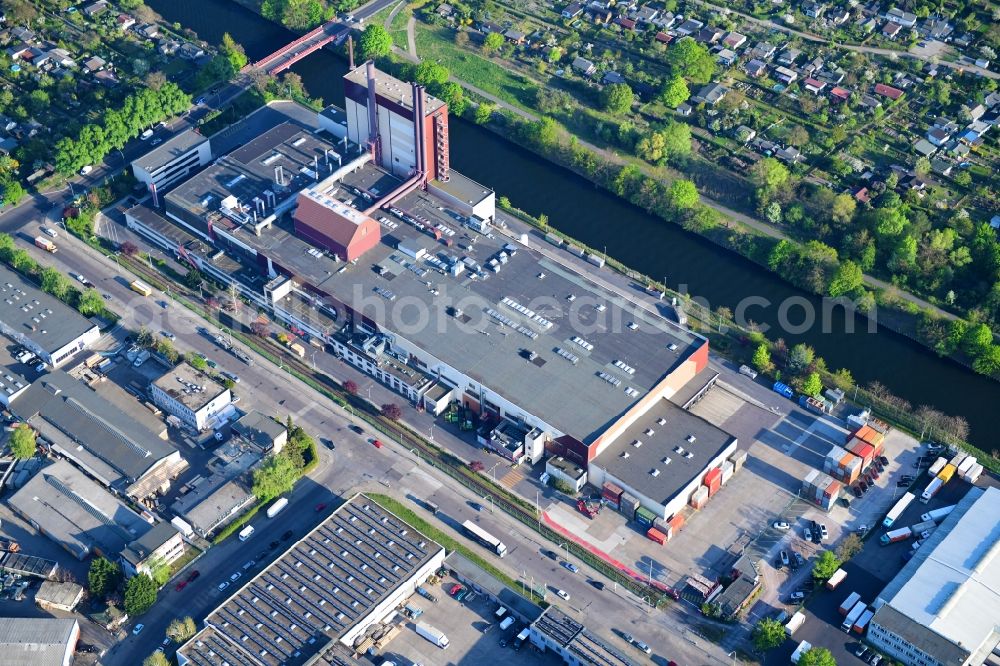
[(246, 532), (501, 612), (506, 624)]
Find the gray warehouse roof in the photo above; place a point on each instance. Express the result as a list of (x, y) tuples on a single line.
[(317, 590), (588, 649), (28, 311), (36, 641), (662, 434), (109, 436), (170, 150), (76, 512)]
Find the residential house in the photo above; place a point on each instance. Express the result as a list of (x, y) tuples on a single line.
[(891, 30), (124, 21), (866, 24), (514, 36), (584, 66), (755, 68), (168, 47), (62, 58), (599, 15), (734, 40), (683, 109), (106, 77), (647, 14), (161, 546), (788, 57), (785, 75), (905, 19), (689, 27), (18, 52), (861, 195), (838, 94), (445, 10), (789, 154), (711, 94), (96, 8), (572, 10), (958, 149), (970, 137), (726, 58), (190, 51), (888, 91), (487, 27), (938, 29), (832, 76), (925, 147), (942, 166), (938, 136), (625, 22), (744, 134), (763, 51), (814, 86), (813, 9), (977, 112), (838, 16), (870, 101), (612, 77), (149, 31), (709, 35), (22, 34), (663, 38), (763, 146), (94, 64)]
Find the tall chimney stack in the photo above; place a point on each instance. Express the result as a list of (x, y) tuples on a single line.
[(373, 111), (350, 52)]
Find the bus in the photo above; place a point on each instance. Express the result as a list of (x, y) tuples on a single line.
[(484, 538), (141, 288)]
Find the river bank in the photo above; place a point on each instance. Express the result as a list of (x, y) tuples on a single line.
[(691, 263)]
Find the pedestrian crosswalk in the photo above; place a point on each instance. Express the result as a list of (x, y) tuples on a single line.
[(513, 476)]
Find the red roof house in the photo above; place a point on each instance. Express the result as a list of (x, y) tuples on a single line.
[(335, 226), (840, 94), (888, 91)]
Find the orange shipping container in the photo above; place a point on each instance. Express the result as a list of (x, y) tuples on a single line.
[(676, 522), (870, 435), (656, 535)]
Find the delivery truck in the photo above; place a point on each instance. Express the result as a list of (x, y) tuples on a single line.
[(853, 616), (849, 603), (838, 576), (432, 635), (796, 621), (931, 490), (277, 507), (45, 244), (862, 622), (937, 515), (895, 536), (897, 510)]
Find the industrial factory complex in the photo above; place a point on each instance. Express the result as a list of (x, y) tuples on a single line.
[(356, 231)]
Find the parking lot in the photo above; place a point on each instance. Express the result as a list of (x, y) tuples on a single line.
[(472, 629)]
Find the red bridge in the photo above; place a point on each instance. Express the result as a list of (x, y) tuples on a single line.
[(328, 33)]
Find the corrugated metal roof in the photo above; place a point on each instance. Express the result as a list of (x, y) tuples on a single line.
[(35, 641)]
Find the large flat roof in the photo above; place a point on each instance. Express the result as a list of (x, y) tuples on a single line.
[(36, 641), (487, 342), (662, 433), (80, 417), (192, 388), (337, 574), (952, 585), (28, 311), (76, 512), (587, 648), (170, 149), (391, 88)]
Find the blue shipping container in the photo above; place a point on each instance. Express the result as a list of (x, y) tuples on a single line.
[(784, 389)]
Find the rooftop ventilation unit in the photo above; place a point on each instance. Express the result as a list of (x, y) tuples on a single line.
[(666, 460), (661, 421), (637, 443), (689, 455), (649, 432), (691, 438), (624, 454), (679, 450), (654, 472)]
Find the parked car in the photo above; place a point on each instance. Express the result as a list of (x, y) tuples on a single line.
[(597, 584), (796, 596), (235, 577), (856, 490), (908, 478), (357, 429), (780, 525), (455, 589), (551, 554), (824, 533), (168, 335), (180, 586), (223, 585), (138, 629), (807, 534), (784, 557), (862, 652), (84, 170), (320, 507), (193, 576), (287, 535), (563, 593), (875, 659), (863, 485), (570, 566), (377, 444), (798, 559)]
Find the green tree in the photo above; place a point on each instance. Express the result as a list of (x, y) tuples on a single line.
[(156, 659), (493, 42), (22, 442), (825, 566), (197, 362), (812, 385), (682, 194), (617, 98), (847, 280), (376, 42), (691, 60), (800, 357), (842, 210), (817, 656), (91, 303), (675, 92), (181, 629), (233, 52), (103, 578), (13, 191), (193, 278), (762, 358), (849, 547), (140, 594), (430, 73), (768, 634), (988, 361), (770, 175), (276, 476), (54, 283), (484, 112), (454, 96), (977, 340)]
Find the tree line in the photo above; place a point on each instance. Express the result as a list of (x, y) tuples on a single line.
[(139, 111)]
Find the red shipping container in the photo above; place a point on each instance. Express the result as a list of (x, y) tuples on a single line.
[(611, 492), (714, 487), (711, 475), (656, 535), (676, 522)]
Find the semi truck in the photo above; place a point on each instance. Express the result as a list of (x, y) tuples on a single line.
[(923, 526), (853, 616), (849, 603), (937, 514), (895, 536), (947, 472), (862, 622), (803, 647), (277, 507), (931, 490), (897, 510), (796, 621), (838, 576), (937, 466), (45, 244), (432, 635)]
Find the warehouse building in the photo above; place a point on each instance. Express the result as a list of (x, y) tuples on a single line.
[(191, 395), (113, 446), (214, 503), (942, 608), (335, 585), (64, 597), (76, 513), (662, 458), (261, 430), (38, 641), (569, 639), (334, 226), (173, 161), (162, 545), (46, 326)]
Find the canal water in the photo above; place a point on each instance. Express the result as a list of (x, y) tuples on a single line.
[(650, 245)]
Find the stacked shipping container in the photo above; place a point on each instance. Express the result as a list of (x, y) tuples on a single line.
[(821, 489), (863, 450), (612, 494), (738, 459), (627, 506), (842, 465), (728, 469), (699, 497), (644, 516), (713, 480)]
